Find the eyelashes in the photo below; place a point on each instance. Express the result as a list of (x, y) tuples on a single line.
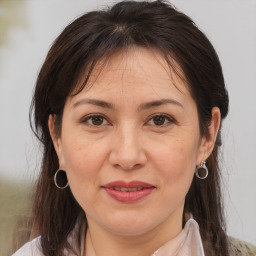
[(160, 120), (95, 120), (99, 120)]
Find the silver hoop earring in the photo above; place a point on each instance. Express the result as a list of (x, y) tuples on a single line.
[(201, 168), (59, 180)]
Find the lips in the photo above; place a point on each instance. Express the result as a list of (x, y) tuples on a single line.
[(124, 189), (128, 192)]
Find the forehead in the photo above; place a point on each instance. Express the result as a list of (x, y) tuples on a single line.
[(135, 70)]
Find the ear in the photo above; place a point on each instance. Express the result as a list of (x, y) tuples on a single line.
[(208, 142), (55, 139)]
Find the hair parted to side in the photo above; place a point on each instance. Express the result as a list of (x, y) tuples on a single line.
[(93, 37)]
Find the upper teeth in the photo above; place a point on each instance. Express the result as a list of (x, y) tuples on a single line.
[(127, 189)]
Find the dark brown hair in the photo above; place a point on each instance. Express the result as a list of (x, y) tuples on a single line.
[(91, 38)]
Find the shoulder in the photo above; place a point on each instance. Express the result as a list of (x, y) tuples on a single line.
[(31, 248), (241, 248)]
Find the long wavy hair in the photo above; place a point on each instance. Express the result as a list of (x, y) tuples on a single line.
[(94, 37)]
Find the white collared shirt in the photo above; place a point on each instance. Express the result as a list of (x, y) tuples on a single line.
[(187, 243)]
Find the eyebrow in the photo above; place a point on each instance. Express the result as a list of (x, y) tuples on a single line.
[(142, 106), (157, 103), (99, 103)]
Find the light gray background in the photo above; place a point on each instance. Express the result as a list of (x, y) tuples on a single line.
[(231, 27)]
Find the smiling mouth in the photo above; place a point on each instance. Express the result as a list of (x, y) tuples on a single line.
[(125, 189), (130, 192)]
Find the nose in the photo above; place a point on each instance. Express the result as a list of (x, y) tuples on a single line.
[(127, 150)]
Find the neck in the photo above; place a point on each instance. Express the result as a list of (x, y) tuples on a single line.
[(101, 242)]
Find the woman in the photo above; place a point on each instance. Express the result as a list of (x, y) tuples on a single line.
[(128, 106)]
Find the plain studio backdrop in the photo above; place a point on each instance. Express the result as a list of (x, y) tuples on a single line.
[(27, 30)]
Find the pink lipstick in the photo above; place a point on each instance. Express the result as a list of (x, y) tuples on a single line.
[(128, 192)]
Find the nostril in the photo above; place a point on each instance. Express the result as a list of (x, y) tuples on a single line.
[(128, 167), (127, 154)]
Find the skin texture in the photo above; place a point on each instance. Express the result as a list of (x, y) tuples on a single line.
[(132, 142)]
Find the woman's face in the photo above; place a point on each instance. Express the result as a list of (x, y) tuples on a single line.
[(130, 143)]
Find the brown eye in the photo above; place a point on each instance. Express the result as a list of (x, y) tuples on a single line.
[(160, 120), (95, 120)]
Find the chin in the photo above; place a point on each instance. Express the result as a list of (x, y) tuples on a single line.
[(130, 230), (130, 226)]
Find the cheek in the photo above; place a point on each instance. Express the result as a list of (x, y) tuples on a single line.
[(176, 162), (176, 171), (82, 162), (80, 153)]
